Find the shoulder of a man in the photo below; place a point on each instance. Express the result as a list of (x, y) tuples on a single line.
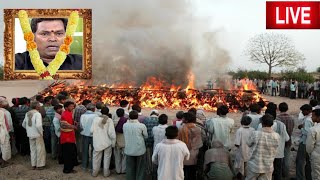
[(76, 60), (21, 60)]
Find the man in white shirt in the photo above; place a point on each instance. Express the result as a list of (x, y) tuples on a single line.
[(169, 155), (86, 121), (4, 141), (33, 124), (220, 128)]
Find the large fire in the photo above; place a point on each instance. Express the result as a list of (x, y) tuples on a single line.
[(158, 94)]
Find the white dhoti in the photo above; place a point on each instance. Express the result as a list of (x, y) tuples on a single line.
[(38, 152), (120, 159), (96, 161), (6, 149), (315, 165)]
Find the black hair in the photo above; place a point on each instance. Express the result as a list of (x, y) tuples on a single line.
[(35, 21), (246, 120), (283, 107), (47, 99), (23, 101), (272, 105), (189, 117), (67, 104), (316, 112), (272, 112), (163, 119), (313, 102), (171, 132), (86, 102), (193, 110), (133, 114), (255, 108), (105, 110), (179, 114), (56, 107), (306, 107), (124, 103), (261, 103), (61, 97), (65, 93), (100, 105), (120, 112), (136, 107), (223, 110), (267, 120), (39, 97)]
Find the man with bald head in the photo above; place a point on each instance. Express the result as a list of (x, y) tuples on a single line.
[(49, 34)]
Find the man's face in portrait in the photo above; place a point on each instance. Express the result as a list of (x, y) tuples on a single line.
[(49, 36)]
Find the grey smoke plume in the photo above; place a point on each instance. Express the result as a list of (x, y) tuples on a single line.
[(161, 38)]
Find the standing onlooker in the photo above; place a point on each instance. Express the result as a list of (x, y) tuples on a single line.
[(160, 130), (191, 135), (4, 141), (56, 124), (119, 156), (255, 115), (312, 145), (303, 167), (169, 155), (178, 122), (68, 139), (86, 121), (150, 122), (22, 140), (292, 90), (288, 121), (104, 138), (33, 124), (78, 111), (137, 108), (243, 151), (135, 134), (220, 128), (263, 146)]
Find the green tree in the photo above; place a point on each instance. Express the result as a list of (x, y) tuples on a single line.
[(318, 69), (275, 50)]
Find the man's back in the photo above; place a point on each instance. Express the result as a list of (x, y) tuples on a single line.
[(86, 121), (264, 146), (134, 134), (170, 154)]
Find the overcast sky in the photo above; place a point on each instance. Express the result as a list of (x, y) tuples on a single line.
[(236, 22)]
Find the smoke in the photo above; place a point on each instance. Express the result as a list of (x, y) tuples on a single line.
[(160, 38)]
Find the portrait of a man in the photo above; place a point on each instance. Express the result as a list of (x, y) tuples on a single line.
[(49, 34)]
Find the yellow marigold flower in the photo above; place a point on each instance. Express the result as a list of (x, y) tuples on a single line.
[(24, 22), (68, 40), (37, 63), (57, 62), (72, 23), (31, 46), (28, 36), (65, 48)]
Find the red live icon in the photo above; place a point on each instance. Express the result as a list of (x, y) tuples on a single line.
[(293, 15)]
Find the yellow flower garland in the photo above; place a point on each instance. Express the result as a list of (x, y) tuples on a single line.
[(54, 65)]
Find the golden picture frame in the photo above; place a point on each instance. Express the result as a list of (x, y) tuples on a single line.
[(10, 16)]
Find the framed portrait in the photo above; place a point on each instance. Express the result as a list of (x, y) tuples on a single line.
[(49, 31)]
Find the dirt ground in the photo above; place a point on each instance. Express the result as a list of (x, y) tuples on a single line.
[(21, 167)]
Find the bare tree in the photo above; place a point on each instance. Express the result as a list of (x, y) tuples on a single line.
[(275, 50)]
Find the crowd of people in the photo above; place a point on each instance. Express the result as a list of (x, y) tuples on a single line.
[(275, 87), (191, 146)]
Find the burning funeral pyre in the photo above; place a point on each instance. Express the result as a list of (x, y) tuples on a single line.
[(156, 94)]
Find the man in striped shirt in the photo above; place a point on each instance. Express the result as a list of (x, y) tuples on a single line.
[(263, 146)]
